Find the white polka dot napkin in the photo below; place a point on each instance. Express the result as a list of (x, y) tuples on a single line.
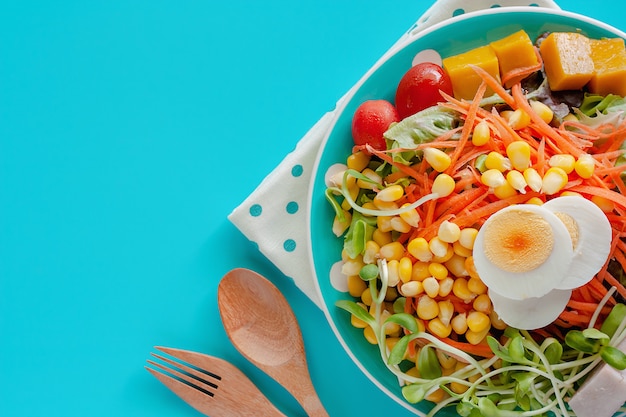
[(276, 222)]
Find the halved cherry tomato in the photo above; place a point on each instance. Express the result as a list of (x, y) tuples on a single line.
[(419, 88), (371, 119)]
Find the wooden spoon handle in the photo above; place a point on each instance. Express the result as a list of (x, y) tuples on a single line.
[(300, 385)]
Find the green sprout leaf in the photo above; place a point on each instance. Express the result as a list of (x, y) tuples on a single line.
[(428, 364), (614, 319), (499, 350), (369, 272), (357, 310), (577, 340), (398, 351), (614, 357), (415, 393)]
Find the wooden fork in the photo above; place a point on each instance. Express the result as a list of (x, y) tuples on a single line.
[(211, 385)]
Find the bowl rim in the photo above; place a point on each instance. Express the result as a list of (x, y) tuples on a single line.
[(410, 37)]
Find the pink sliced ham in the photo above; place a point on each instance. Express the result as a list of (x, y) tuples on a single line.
[(603, 393)]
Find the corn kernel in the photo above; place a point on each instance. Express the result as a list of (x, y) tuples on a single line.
[(459, 387), (438, 159), (445, 286), (370, 336), (544, 112), (535, 200), (476, 285), (519, 119), (410, 216), (568, 193), (605, 204), (492, 178), (405, 269), (357, 322), (460, 250), (366, 297), (519, 154), (504, 191), (356, 285), (427, 308), (391, 294), (383, 223), (449, 232), (373, 176), (496, 321), (467, 237), (358, 161), (420, 271), (585, 166), (554, 180), (384, 205), (506, 114), (412, 288), (456, 265), (352, 266), (419, 248), (353, 192), (564, 161), (431, 287), (449, 254), (459, 323), (533, 179), (341, 225), (443, 185), (392, 192), (436, 396), (393, 276), (461, 290), (477, 321), (516, 180), (399, 225), (446, 310), (391, 328), (414, 372), (370, 254), (476, 337), (481, 134), (437, 270), (382, 238), (495, 160), (446, 361), (438, 247), (482, 304), (470, 267), (393, 250), (438, 328)]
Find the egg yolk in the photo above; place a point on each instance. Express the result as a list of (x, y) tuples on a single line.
[(518, 241)]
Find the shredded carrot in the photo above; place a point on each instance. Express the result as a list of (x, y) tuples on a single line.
[(481, 349), (468, 125)]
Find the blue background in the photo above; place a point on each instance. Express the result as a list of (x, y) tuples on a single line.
[(129, 130)]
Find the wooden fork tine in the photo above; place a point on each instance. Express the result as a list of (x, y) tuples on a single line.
[(190, 375), (199, 400), (206, 363), (232, 394)]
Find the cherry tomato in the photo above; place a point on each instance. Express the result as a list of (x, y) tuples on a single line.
[(371, 119), (419, 88)]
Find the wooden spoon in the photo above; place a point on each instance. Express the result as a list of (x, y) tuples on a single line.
[(262, 326)]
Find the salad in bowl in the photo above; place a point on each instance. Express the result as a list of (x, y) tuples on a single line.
[(467, 218)]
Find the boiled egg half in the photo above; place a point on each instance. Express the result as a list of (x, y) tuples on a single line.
[(531, 257)]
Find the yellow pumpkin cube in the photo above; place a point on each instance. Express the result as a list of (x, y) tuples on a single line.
[(513, 52), (567, 60), (465, 81), (609, 59)]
